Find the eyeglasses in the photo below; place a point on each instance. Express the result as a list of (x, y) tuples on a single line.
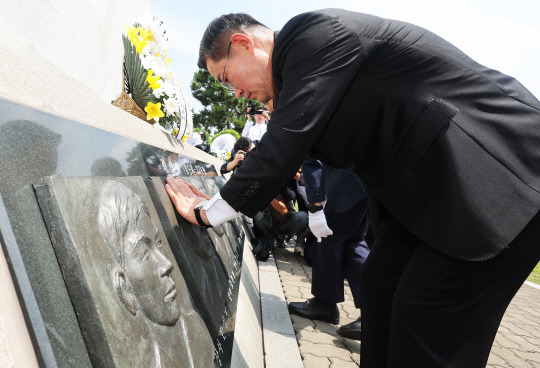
[(227, 86)]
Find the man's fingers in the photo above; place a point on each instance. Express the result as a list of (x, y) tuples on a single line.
[(196, 190), (171, 192), (179, 186)]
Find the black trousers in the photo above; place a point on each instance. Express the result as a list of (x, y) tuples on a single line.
[(422, 308)]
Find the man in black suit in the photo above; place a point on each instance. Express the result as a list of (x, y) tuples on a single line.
[(448, 151)]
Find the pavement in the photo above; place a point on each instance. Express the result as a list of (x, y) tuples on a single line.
[(301, 342)]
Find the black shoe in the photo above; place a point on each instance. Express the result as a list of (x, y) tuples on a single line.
[(261, 251), (351, 330), (316, 309)]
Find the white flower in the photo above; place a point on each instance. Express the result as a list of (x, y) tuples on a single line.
[(168, 87), (160, 68), (158, 92), (171, 106), (147, 61)]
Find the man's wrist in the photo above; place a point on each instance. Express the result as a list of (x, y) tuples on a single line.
[(200, 215), (314, 207)]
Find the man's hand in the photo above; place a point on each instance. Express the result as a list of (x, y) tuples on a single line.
[(318, 225), (240, 156), (185, 196)]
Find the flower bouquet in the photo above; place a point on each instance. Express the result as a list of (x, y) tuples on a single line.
[(150, 91)]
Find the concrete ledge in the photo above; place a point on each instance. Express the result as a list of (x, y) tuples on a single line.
[(280, 346), (55, 92), (248, 340)]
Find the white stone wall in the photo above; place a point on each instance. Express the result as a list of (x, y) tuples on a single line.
[(80, 37)]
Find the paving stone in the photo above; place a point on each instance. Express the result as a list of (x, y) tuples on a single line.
[(325, 327), (496, 360), (531, 358), (507, 340), (324, 350), (350, 310), (513, 360), (318, 337), (312, 361), (300, 323), (520, 343), (297, 283), (338, 363)]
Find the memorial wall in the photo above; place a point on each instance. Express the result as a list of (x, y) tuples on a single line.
[(103, 271), (119, 279)]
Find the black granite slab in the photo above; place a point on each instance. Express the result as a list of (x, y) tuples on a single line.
[(133, 305), (213, 288), (195, 253), (34, 145)]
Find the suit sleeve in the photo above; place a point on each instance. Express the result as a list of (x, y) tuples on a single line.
[(314, 60), (313, 180)]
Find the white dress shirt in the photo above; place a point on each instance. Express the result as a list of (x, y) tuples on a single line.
[(218, 211)]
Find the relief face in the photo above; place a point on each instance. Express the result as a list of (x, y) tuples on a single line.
[(132, 302), (143, 272), (196, 257)]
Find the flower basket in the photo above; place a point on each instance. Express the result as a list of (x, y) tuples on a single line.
[(126, 103), (150, 91)]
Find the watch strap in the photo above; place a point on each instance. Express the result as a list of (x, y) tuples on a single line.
[(199, 219)]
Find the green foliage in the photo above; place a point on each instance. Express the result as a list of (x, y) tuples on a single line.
[(222, 109), (137, 85), (535, 275), (232, 132)]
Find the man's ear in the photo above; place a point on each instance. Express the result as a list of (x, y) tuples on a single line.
[(122, 291), (244, 41)]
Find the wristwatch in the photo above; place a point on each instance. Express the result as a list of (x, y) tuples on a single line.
[(197, 211), (314, 207)]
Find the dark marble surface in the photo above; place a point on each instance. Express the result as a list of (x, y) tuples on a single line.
[(34, 145), (128, 292), (54, 309), (213, 286)]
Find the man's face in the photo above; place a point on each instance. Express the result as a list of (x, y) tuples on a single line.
[(260, 118), (148, 271), (248, 69)]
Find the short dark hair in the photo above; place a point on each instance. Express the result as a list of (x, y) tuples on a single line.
[(211, 45), (242, 144)]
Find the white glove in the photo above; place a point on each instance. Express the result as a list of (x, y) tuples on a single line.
[(318, 225)]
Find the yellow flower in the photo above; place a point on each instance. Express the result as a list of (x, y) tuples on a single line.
[(185, 136), (152, 81), (167, 58), (133, 33), (153, 111), (140, 44), (146, 34)]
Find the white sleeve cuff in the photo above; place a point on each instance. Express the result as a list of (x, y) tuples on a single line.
[(218, 210)]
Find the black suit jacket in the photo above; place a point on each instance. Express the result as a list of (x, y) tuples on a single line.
[(447, 146)]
